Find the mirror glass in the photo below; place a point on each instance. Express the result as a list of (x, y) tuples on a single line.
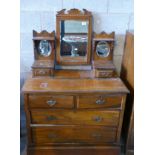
[(73, 38), (44, 48), (103, 49)]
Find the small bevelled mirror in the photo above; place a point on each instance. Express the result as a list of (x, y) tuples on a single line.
[(73, 38), (44, 48), (103, 49)]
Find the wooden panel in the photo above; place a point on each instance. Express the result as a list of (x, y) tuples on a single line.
[(127, 75), (76, 134), (74, 85), (42, 72), (67, 117), (43, 101), (92, 150), (104, 73), (99, 101)]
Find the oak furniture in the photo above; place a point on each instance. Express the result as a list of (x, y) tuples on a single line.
[(74, 110), (127, 75)]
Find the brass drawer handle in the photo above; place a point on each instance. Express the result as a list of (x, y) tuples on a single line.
[(51, 118), (100, 101), (96, 135), (51, 102), (97, 118), (51, 135)]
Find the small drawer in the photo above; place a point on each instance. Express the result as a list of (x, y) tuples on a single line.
[(68, 117), (42, 72), (99, 101), (99, 73), (76, 134), (50, 101)]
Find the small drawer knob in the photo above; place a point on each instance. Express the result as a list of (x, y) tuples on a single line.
[(100, 101), (51, 102)]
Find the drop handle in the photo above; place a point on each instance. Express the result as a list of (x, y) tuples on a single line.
[(100, 101), (51, 102), (96, 135), (51, 135), (51, 118), (97, 118)]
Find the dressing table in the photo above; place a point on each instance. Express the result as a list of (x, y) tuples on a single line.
[(74, 100)]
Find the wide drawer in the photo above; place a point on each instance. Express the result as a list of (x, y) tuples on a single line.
[(112, 101), (73, 134), (67, 117), (50, 101)]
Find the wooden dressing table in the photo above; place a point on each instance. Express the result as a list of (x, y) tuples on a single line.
[(71, 109)]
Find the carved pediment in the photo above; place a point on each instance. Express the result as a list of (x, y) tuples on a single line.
[(43, 33), (74, 11), (104, 35)]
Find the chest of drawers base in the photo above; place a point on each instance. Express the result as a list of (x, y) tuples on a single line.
[(74, 122), (83, 150)]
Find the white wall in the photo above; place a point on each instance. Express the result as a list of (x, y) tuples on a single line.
[(109, 15)]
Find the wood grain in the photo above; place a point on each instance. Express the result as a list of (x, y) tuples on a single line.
[(77, 134), (68, 117), (74, 85)]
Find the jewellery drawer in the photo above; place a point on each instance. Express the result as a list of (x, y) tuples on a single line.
[(67, 117), (50, 101), (99, 101), (73, 134), (99, 73), (42, 72)]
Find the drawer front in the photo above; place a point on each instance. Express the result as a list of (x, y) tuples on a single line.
[(99, 101), (42, 72), (66, 117), (76, 134), (49, 101), (104, 73)]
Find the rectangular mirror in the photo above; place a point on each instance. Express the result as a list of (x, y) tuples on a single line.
[(73, 33), (73, 38)]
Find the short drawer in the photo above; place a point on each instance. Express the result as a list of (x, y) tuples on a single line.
[(99, 101), (73, 134), (67, 117), (50, 101), (42, 72), (99, 73)]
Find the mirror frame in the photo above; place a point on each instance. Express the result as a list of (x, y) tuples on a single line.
[(73, 14), (103, 36)]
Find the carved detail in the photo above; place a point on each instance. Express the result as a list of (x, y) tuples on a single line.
[(61, 12), (104, 35), (74, 12), (43, 33)]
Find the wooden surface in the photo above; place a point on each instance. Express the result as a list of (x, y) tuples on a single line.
[(92, 150), (68, 117), (127, 75), (74, 85)]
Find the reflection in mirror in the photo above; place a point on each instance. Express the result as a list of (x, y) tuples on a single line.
[(74, 38), (103, 49), (44, 48)]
